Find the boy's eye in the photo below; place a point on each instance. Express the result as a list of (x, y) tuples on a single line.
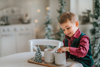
[(68, 28)]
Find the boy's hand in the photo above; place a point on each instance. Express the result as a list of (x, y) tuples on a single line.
[(63, 49)]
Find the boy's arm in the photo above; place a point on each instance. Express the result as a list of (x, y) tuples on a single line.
[(82, 49)]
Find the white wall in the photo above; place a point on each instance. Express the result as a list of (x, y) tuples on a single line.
[(79, 6), (84, 4), (74, 6), (30, 7)]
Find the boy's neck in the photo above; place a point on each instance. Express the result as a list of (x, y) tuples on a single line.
[(75, 31)]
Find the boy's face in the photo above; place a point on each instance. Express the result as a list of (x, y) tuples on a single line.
[(69, 28)]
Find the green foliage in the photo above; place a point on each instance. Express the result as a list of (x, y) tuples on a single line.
[(96, 9), (95, 31), (62, 6), (92, 31), (48, 29), (95, 24), (92, 16), (60, 34)]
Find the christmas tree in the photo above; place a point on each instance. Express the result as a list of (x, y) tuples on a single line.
[(48, 29), (96, 33), (38, 56), (60, 34)]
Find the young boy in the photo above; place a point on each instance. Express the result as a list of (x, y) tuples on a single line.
[(76, 44)]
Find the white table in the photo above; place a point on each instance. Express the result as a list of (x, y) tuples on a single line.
[(20, 60)]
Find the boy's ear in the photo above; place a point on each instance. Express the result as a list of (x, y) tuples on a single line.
[(77, 23)]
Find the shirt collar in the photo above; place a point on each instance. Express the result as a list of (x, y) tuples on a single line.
[(76, 35)]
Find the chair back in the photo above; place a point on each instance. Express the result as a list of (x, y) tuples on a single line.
[(35, 42)]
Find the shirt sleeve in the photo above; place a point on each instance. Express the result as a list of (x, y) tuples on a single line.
[(82, 49)]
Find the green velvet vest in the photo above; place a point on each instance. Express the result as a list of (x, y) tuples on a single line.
[(87, 61)]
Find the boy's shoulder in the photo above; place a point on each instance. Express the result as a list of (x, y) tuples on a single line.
[(83, 34), (85, 37)]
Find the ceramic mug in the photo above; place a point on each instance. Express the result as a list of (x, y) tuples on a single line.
[(49, 56), (60, 58)]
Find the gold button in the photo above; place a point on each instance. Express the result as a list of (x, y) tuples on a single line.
[(73, 59)]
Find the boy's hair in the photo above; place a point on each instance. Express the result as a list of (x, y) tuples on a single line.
[(68, 16)]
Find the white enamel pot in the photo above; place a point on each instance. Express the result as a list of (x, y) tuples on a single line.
[(49, 56), (60, 58)]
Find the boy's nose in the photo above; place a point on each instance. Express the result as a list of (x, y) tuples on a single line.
[(65, 33)]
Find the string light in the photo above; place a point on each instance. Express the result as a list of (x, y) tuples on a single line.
[(38, 10), (36, 21), (47, 8)]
